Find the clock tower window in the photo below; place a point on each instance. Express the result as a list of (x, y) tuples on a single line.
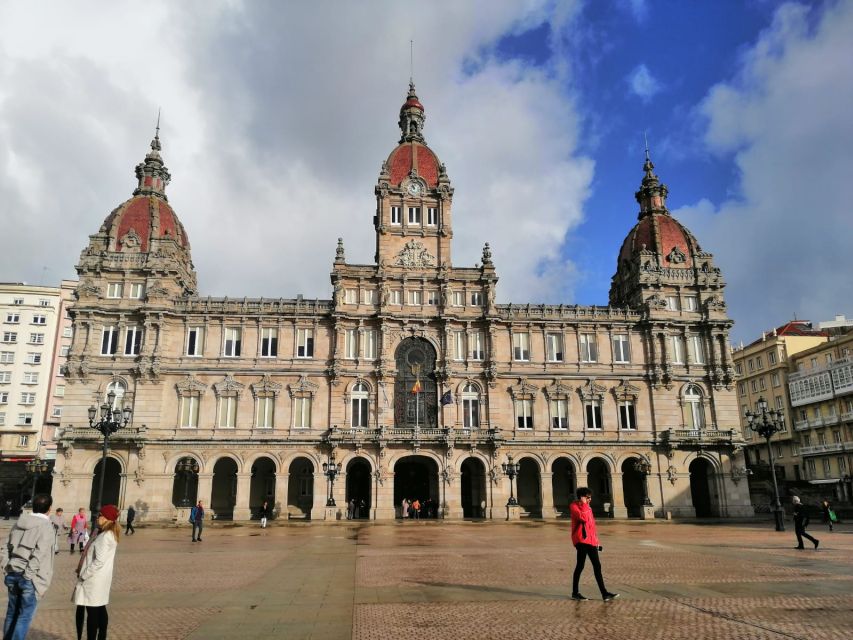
[(396, 215), (414, 215), (432, 216)]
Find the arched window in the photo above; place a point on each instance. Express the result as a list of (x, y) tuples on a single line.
[(693, 408), (470, 406), (360, 399), (118, 388)]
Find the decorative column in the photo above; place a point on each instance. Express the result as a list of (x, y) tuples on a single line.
[(205, 489), (241, 506), (452, 506), (618, 508), (549, 512), (321, 488)]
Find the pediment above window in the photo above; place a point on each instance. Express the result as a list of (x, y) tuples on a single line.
[(190, 384), (523, 389), (265, 387), (228, 386), (302, 388), (626, 391), (592, 390)]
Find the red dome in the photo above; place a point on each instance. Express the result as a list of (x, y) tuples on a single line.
[(134, 223), (412, 102), (664, 235), (400, 163)]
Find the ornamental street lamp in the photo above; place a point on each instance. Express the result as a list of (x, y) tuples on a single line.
[(511, 469), (765, 422), (644, 468), (189, 468), (112, 419), (35, 467), (330, 470)]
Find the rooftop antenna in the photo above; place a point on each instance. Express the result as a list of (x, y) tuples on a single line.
[(157, 130), (646, 139), (411, 61)]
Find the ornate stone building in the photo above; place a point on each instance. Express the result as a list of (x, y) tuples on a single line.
[(411, 377)]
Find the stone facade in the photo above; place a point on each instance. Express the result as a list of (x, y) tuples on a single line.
[(411, 378)]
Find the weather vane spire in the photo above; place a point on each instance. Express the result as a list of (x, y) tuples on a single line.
[(411, 61), (646, 139)]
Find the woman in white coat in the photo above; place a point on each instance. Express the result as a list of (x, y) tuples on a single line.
[(95, 576)]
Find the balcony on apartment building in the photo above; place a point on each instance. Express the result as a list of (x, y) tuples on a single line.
[(822, 383)]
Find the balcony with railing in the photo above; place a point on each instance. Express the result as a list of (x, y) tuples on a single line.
[(847, 416), (801, 425), (700, 437), (816, 422), (817, 449)]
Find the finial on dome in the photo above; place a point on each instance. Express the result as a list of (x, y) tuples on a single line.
[(652, 193), (152, 174), (339, 252), (412, 117)]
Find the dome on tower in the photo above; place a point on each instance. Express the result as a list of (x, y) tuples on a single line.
[(147, 215)]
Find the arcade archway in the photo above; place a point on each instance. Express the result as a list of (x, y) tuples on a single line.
[(473, 487), (262, 487), (702, 488), (224, 494), (529, 488), (300, 488), (633, 488), (112, 483), (358, 488), (598, 477), (563, 485), (416, 477)]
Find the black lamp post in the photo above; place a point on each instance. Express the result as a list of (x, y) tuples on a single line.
[(112, 419), (644, 468), (330, 470), (35, 468), (511, 469), (765, 422), (188, 467)]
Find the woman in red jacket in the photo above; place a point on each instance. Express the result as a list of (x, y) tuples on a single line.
[(585, 539)]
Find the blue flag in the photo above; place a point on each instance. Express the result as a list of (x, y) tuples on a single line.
[(446, 398)]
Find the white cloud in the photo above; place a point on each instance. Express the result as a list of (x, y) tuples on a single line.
[(784, 241), (642, 83), (275, 122)]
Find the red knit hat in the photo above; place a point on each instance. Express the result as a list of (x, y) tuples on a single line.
[(109, 512)]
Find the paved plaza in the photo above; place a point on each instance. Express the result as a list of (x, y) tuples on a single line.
[(434, 580)]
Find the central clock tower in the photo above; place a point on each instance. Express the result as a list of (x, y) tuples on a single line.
[(413, 198)]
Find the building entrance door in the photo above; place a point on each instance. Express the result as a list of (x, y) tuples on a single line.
[(416, 477)]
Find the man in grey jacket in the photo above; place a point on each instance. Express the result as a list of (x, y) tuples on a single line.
[(27, 563)]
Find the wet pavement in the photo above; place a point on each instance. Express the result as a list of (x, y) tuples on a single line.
[(467, 580)]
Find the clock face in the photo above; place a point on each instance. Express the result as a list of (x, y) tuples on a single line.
[(414, 189)]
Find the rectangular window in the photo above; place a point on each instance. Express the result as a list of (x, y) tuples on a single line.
[(31, 377), (589, 348), (359, 412), (698, 347), (470, 412), (137, 289), (476, 299), (414, 215), (691, 303), (741, 388), (836, 436), (23, 441), (13, 318), (5, 377), (827, 470), (4, 397), (304, 343), (57, 412), (233, 342), (432, 216), (779, 451), (195, 341), (842, 465), (39, 319), (751, 365), (813, 362), (754, 385), (59, 391), (521, 346), (189, 411), (2, 419), (36, 338), (18, 301), (132, 341), (350, 344), (432, 297), (828, 358), (779, 402), (28, 398), (351, 296), (7, 357), (593, 415), (739, 369), (371, 344), (759, 362), (34, 357), (627, 417), (621, 348), (44, 303), (762, 384), (458, 345), (10, 337), (397, 297), (302, 413), (458, 298), (416, 298), (672, 303), (114, 290), (524, 413), (477, 342), (109, 341), (269, 342), (396, 215), (677, 343), (227, 411), (554, 343), (559, 414), (368, 296), (67, 332), (810, 467), (25, 419), (821, 438), (63, 352), (775, 379), (771, 357), (266, 412)]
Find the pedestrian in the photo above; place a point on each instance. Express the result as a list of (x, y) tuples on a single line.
[(197, 519), (585, 540), (404, 509), (95, 576), (27, 564), (79, 535), (8, 509), (801, 521), (58, 522), (131, 516), (829, 516), (264, 513), (350, 508), (416, 509)]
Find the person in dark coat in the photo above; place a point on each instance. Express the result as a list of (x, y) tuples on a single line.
[(801, 521), (264, 513), (131, 516), (827, 513), (197, 519), (585, 540)]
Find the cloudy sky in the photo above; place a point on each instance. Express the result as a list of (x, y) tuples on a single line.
[(277, 116)]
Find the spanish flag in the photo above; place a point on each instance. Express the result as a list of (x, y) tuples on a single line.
[(417, 388)]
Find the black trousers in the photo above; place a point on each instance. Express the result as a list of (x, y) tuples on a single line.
[(584, 551), (801, 533), (97, 620), (129, 528)]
